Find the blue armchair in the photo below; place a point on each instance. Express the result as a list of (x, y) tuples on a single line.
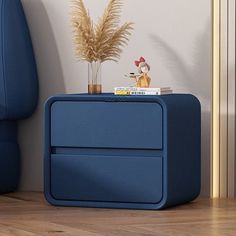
[(18, 87)]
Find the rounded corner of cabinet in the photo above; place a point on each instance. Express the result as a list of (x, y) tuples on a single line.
[(161, 205), (49, 198), (196, 100), (49, 102)]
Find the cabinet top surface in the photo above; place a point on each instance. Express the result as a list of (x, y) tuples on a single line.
[(110, 97), (125, 97), (113, 95)]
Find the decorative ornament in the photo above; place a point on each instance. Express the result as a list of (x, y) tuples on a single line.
[(97, 43), (142, 80)]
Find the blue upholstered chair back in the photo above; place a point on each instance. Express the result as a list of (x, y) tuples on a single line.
[(18, 88), (18, 74)]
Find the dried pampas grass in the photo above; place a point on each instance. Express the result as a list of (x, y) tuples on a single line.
[(102, 41)]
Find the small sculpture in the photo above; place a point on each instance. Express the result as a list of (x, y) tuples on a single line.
[(142, 80)]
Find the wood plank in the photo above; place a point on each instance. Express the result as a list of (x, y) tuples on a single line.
[(28, 214)]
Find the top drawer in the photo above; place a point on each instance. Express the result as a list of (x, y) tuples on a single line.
[(134, 125)]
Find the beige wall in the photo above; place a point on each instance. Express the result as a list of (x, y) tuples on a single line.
[(174, 36)]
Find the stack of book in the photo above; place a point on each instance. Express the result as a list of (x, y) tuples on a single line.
[(141, 91)]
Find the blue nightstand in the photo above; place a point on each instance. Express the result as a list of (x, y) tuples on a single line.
[(138, 152)]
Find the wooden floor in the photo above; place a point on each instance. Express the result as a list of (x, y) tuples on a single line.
[(28, 214)]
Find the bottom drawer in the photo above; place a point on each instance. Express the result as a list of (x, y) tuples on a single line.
[(106, 178)]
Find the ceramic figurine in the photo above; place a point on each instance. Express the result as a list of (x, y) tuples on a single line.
[(142, 79)]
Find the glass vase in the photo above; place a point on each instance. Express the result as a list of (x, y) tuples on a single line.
[(94, 77)]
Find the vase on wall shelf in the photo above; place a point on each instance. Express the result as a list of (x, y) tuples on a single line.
[(95, 77)]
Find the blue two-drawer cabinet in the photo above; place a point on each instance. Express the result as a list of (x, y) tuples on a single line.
[(139, 152)]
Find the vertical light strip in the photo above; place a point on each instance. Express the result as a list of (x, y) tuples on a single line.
[(231, 99), (223, 144), (216, 100), (223, 166)]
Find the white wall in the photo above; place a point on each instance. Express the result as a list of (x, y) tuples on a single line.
[(174, 37)]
